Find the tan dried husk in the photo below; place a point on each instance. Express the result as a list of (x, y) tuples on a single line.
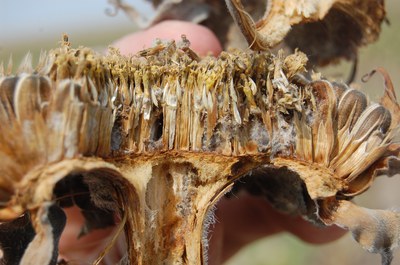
[(326, 30), (165, 134)]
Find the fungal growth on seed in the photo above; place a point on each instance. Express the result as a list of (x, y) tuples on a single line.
[(150, 142)]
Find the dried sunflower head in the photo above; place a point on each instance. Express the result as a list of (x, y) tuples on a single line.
[(158, 137), (326, 30)]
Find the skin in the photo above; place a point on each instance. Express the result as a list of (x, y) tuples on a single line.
[(202, 40), (230, 233)]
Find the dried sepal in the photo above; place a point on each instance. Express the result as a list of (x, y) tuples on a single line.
[(389, 99), (377, 231), (391, 163)]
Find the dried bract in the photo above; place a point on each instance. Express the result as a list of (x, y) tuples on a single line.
[(324, 29)]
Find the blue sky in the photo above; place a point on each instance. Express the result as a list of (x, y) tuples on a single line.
[(25, 20)]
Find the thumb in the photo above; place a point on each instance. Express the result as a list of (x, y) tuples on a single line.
[(203, 40)]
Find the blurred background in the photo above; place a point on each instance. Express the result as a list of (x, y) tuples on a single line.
[(27, 25)]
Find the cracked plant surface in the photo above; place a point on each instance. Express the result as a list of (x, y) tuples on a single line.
[(157, 138)]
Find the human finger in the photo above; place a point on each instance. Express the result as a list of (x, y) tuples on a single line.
[(203, 40)]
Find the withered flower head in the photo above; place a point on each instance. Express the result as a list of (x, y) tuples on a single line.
[(159, 137), (326, 30)]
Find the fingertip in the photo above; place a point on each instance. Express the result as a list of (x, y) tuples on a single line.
[(202, 40)]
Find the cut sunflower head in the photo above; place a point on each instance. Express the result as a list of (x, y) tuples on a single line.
[(130, 136)]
